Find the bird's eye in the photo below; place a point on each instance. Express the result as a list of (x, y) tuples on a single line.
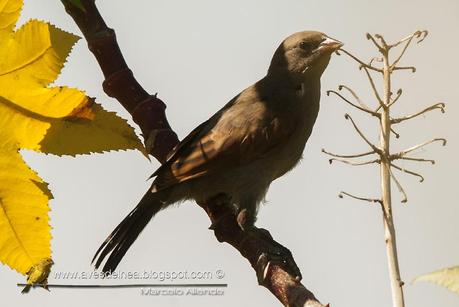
[(306, 46)]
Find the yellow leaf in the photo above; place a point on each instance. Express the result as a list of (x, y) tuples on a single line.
[(24, 224), (9, 14), (50, 119), (74, 136), (448, 278)]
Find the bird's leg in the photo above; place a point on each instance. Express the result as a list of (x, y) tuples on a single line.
[(270, 251), (223, 201), (245, 219), (45, 285)]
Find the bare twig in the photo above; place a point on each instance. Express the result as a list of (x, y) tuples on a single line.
[(375, 161), (393, 158), (399, 93), (418, 34), (362, 64), (352, 104), (383, 42), (412, 68), (359, 101), (370, 37), (397, 135), (400, 188), (406, 151), (349, 156), (374, 147), (439, 106), (375, 59), (371, 200), (421, 178), (373, 86)]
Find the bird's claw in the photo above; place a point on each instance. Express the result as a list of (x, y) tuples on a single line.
[(282, 258), (274, 254)]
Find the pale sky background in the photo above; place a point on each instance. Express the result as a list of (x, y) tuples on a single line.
[(198, 55)]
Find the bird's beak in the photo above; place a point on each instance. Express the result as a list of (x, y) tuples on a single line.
[(330, 44)]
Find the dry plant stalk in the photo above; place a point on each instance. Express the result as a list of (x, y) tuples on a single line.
[(384, 157)]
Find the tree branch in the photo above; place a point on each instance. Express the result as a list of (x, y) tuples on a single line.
[(147, 110), (149, 113)]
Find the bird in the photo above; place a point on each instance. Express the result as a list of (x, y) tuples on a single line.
[(38, 275), (257, 137)]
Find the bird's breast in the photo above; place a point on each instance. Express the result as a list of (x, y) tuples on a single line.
[(303, 116)]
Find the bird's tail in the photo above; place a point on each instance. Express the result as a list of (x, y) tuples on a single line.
[(119, 241)]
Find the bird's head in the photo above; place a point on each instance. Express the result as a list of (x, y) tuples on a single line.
[(304, 54)]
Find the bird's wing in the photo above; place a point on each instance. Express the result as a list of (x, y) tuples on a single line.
[(243, 131)]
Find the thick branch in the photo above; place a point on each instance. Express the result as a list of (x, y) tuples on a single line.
[(149, 113), (147, 110), (287, 289)]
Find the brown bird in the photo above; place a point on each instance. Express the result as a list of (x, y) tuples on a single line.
[(255, 138)]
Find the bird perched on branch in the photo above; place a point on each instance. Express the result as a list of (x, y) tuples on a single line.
[(38, 275), (255, 138)]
